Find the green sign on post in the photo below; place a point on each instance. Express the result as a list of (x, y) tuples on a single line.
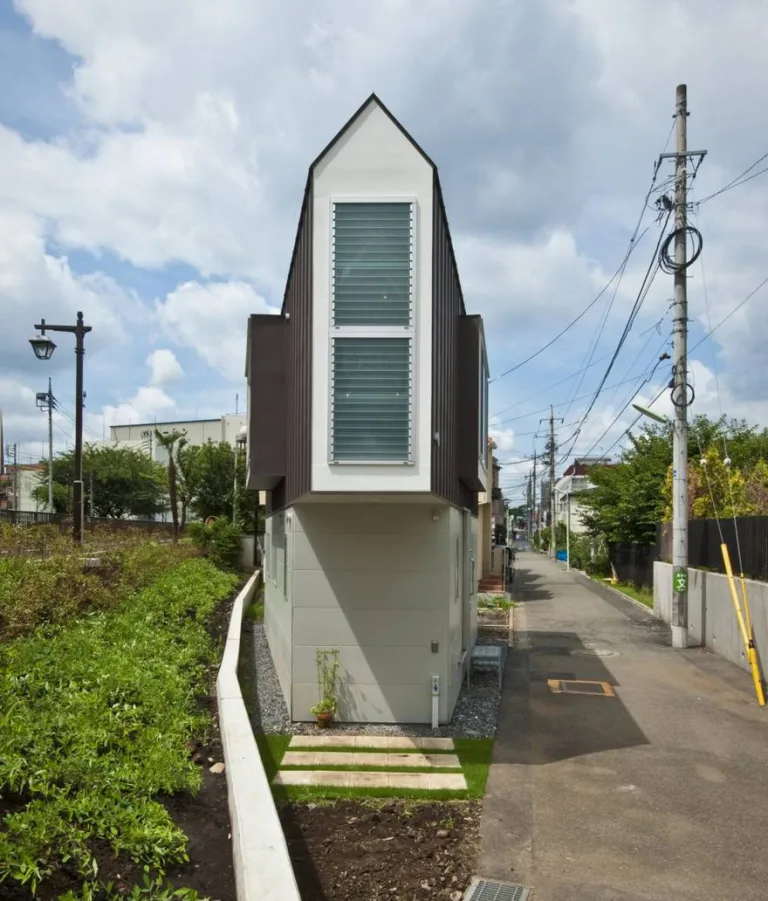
[(680, 580)]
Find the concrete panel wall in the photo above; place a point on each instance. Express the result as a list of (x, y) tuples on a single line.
[(712, 619), (278, 612), (375, 582)]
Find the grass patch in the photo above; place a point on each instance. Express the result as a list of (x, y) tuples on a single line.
[(95, 718), (474, 755), (495, 602), (255, 612), (46, 580), (643, 595)]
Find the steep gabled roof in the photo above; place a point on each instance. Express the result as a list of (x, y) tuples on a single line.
[(373, 99)]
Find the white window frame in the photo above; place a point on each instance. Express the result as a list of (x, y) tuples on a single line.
[(409, 331)]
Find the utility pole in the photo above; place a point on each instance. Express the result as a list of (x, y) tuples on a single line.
[(533, 518), (552, 502), (90, 505), (45, 401), (15, 476), (680, 390), (680, 440)]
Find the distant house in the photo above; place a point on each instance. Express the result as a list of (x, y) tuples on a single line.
[(575, 480), (17, 486), (368, 396)]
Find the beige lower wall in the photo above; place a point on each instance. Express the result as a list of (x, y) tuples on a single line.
[(278, 612), (380, 583)]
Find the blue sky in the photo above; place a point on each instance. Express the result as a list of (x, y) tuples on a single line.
[(153, 158)]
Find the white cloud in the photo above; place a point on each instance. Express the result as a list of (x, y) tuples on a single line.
[(165, 368), (212, 319), (147, 404)]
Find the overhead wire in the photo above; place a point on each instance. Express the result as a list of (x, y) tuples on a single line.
[(642, 293), (736, 182)]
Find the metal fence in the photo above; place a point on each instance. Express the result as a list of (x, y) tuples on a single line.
[(64, 521), (704, 540), (633, 563)]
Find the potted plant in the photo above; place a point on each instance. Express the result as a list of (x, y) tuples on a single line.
[(327, 684)]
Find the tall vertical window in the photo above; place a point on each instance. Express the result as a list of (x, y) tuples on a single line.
[(372, 332)]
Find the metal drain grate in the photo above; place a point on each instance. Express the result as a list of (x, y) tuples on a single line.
[(486, 890), (581, 687)]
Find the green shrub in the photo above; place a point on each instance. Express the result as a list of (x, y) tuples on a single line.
[(221, 542), (94, 723), (45, 580)]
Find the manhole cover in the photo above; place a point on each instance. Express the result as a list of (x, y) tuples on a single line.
[(485, 890), (581, 687), (594, 652)]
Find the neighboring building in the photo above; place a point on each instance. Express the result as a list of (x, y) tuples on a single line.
[(368, 394), (198, 431), (485, 520), (575, 480), (17, 485)]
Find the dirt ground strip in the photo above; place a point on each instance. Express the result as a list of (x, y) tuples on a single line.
[(349, 850)]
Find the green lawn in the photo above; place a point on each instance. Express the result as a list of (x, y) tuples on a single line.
[(474, 755), (643, 595)]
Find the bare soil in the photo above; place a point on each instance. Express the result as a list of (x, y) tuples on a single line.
[(204, 818), (350, 850)]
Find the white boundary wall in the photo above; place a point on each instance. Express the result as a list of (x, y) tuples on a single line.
[(711, 617), (263, 870)]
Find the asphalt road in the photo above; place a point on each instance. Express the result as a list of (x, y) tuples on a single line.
[(659, 793)]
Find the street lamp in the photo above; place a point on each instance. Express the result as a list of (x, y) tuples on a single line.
[(44, 347)]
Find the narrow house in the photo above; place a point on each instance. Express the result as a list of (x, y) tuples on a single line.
[(368, 413)]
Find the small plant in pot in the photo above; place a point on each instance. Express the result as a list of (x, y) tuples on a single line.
[(327, 683)]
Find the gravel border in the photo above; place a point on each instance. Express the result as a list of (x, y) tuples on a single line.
[(475, 715)]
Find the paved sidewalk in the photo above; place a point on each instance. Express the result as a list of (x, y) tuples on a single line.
[(657, 794)]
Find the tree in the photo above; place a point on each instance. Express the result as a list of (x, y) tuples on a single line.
[(126, 482), (625, 503), (213, 481), (168, 441), (756, 489), (186, 476)]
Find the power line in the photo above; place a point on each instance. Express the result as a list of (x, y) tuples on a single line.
[(645, 286), (738, 181), (726, 318), (558, 405)]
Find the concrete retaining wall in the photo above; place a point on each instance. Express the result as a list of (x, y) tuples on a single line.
[(263, 870), (711, 617)]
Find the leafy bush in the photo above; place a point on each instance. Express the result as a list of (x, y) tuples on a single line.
[(94, 723), (494, 602), (44, 580), (221, 542)]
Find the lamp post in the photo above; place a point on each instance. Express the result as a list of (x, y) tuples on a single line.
[(44, 347)]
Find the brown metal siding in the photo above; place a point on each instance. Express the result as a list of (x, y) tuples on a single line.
[(267, 406), (297, 307), (468, 366), (447, 367)]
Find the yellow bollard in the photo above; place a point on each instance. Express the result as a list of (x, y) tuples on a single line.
[(745, 626)]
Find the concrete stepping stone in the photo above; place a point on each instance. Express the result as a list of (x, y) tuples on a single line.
[(352, 779), (378, 742), (370, 758)]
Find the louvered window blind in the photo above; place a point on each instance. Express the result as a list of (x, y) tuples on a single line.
[(371, 399), (372, 257), (372, 365)]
